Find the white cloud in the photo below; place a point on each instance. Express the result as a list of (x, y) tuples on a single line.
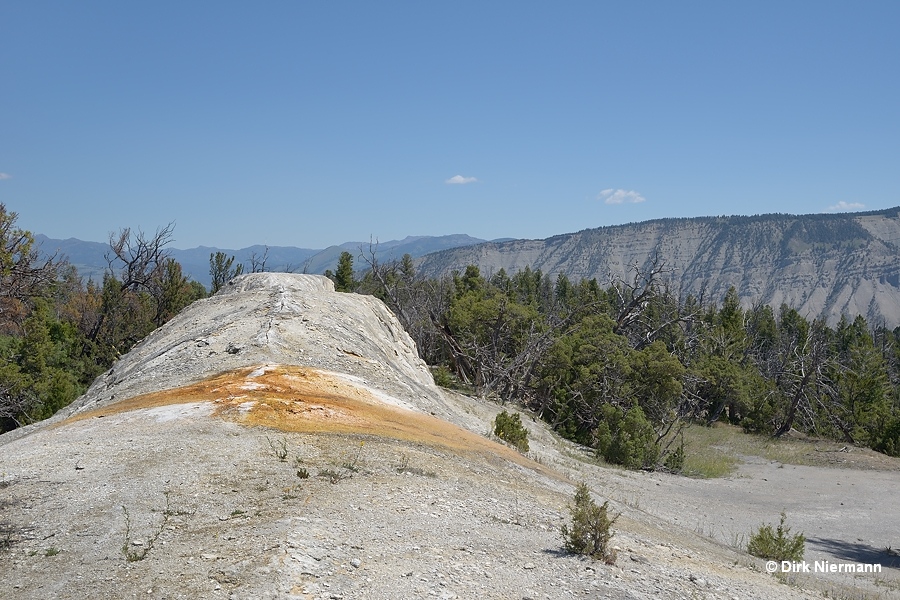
[(612, 196), (5, 176), (846, 206), (459, 180)]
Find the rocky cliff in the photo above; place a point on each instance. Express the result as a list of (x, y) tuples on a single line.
[(824, 265)]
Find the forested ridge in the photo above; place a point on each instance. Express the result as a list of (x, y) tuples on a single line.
[(623, 367), (620, 366), (824, 265)]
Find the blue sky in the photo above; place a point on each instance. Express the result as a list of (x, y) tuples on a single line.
[(314, 123)]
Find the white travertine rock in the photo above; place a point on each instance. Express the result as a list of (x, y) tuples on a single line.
[(273, 318)]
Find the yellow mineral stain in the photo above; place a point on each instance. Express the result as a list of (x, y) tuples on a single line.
[(306, 400)]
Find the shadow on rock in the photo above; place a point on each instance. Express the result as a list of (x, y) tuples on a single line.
[(856, 552)]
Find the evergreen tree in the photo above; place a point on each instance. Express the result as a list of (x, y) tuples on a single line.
[(221, 270), (343, 277)]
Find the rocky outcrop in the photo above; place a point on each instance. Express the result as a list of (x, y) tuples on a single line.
[(278, 318), (822, 265)]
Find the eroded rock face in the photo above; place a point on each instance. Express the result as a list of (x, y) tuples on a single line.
[(822, 265), (273, 318)]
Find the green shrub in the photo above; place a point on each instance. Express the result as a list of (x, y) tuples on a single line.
[(674, 461), (591, 528), (777, 544), (626, 438), (442, 376), (760, 419), (888, 440), (509, 428)]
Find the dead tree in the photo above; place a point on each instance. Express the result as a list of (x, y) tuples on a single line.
[(634, 297), (415, 301), (258, 263), (138, 258), (138, 263), (803, 375), (23, 273)]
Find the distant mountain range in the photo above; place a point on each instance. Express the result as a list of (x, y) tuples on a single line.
[(89, 257), (824, 265)]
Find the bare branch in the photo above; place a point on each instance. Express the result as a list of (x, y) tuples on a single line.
[(258, 263), (138, 258)]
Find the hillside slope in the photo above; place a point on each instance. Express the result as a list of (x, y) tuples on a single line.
[(281, 440), (823, 265)]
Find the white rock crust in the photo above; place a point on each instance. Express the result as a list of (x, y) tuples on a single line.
[(273, 318)]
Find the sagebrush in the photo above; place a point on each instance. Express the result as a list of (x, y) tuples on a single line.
[(591, 529), (777, 544), (509, 428)]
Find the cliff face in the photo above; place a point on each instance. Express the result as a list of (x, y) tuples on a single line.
[(822, 265)]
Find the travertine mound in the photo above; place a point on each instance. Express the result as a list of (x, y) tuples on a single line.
[(273, 318)]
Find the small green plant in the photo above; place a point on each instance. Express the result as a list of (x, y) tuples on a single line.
[(7, 531), (279, 448), (51, 551), (738, 541), (6, 536), (509, 428), (302, 473), (777, 544), (348, 468), (352, 466), (333, 476), (404, 467), (591, 528), (404, 463), (140, 552), (442, 377), (290, 493)]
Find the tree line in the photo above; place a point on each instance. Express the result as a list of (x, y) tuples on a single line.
[(622, 366), (59, 332)]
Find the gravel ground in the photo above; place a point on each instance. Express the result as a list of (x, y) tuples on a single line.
[(214, 513)]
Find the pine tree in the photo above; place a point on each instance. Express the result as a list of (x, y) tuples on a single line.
[(343, 278), (221, 271)]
